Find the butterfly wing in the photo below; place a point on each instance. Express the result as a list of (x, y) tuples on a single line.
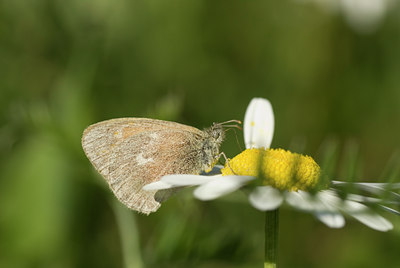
[(132, 152)]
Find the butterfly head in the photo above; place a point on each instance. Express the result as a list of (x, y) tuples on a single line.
[(214, 137)]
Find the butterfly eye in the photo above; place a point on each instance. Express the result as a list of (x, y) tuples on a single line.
[(216, 134)]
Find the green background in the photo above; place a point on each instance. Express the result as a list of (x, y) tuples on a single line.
[(67, 64)]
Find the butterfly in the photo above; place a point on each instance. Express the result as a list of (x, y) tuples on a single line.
[(132, 152)]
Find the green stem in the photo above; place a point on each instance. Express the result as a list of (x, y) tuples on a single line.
[(129, 235), (271, 238)]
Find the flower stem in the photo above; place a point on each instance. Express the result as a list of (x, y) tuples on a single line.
[(271, 238)]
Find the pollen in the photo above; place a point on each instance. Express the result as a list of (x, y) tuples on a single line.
[(278, 168)]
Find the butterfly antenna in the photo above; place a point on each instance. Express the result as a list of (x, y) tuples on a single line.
[(225, 124), (237, 139), (231, 121), (236, 136)]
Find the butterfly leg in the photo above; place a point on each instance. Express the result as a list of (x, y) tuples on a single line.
[(227, 161)]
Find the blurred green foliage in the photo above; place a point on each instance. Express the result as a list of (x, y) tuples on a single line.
[(67, 64)]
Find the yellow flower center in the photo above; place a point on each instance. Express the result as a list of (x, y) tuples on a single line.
[(278, 168)]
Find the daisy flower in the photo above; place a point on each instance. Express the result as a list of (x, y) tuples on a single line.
[(277, 176), (361, 15)]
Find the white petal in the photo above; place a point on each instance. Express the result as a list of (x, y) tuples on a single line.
[(221, 186), (364, 199), (376, 188), (377, 184), (382, 186), (158, 185), (328, 214), (258, 126), (302, 201), (331, 219), (366, 216), (320, 204), (266, 198), (187, 179), (357, 210), (393, 186), (330, 198)]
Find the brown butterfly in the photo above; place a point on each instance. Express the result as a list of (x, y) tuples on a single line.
[(132, 152)]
